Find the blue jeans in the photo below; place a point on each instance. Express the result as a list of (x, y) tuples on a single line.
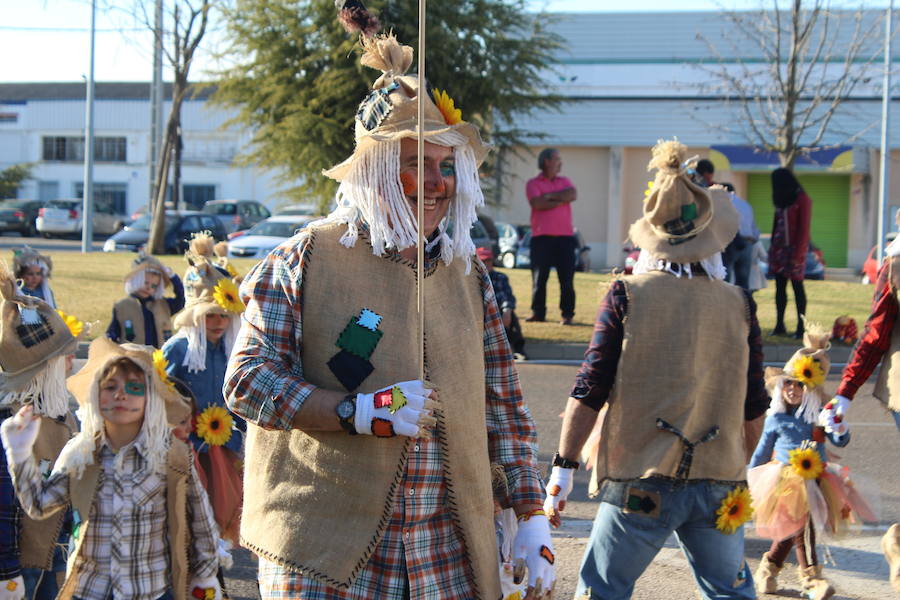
[(896, 415), (625, 540), (167, 596)]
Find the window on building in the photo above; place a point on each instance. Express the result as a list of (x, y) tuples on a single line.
[(71, 149), (48, 190), (109, 198), (7, 117), (195, 196)]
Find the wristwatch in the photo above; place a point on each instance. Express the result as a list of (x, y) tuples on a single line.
[(346, 411), (565, 463)]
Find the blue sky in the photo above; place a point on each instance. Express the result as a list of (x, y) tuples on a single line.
[(48, 40)]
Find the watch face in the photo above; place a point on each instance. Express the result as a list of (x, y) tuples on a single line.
[(345, 409)]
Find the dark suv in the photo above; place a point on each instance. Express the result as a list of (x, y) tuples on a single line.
[(237, 215), (19, 215)]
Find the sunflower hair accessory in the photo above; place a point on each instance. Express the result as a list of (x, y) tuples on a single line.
[(808, 371), (444, 102), (214, 425), (161, 364), (75, 326), (736, 509), (806, 461), (227, 296)]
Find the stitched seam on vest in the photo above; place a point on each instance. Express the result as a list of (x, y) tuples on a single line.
[(318, 575)]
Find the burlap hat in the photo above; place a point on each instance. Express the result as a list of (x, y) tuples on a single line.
[(808, 365), (207, 290), (29, 256), (104, 351), (145, 262), (31, 333), (682, 222), (390, 110)]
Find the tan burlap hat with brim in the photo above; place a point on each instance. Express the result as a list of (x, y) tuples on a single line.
[(682, 222), (31, 333), (809, 365), (103, 351), (390, 111), (145, 262), (207, 291)]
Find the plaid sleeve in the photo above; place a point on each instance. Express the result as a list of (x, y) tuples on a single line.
[(264, 382), (757, 400), (512, 438), (876, 337), (204, 560), (502, 291), (38, 496), (10, 519), (595, 380)]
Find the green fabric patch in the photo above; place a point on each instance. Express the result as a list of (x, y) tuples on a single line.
[(358, 340), (642, 502), (398, 400), (689, 211)]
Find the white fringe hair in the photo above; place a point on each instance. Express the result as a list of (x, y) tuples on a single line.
[(714, 267), (136, 282), (79, 452), (809, 406), (372, 192), (46, 391), (195, 357)]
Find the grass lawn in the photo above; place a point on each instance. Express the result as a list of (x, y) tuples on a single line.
[(87, 286)]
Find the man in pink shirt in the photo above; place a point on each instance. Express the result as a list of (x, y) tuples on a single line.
[(552, 236)]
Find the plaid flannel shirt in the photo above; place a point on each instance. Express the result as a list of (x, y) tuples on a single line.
[(125, 553), (10, 517), (421, 552)]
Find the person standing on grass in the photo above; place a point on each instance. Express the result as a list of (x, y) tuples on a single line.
[(553, 240), (790, 243)]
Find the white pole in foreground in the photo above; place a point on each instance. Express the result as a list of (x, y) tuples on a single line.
[(420, 191), (885, 181), (87, 190)]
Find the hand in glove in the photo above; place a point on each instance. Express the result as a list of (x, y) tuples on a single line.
[(12, 589), (558, 489), (533, 549), (19, 433), (401, 409), (833, 415), (206, 588)]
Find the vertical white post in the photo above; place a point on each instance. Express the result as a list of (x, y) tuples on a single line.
[(87, 211), (420, 191), (156, 101), (885, 182)]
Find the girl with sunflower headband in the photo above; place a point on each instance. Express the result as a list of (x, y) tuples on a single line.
[(797, 491), (197, 355)]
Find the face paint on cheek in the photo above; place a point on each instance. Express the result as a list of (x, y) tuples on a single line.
[(135, 388), (408, 180)]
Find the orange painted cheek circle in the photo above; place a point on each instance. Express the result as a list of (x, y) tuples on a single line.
[(409, 182)]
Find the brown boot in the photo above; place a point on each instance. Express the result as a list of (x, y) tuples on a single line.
[(815, 587), (765, 576), (890, 545)]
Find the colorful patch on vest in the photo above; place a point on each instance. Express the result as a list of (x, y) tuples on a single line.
[(383, 399), (32, 334), (359, 340), (382, 428), (398, 400), (375, 108), (742, 576), (350, 369), (369, 319), (642, 502)]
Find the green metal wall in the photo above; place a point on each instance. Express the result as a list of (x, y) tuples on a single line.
[(830, 196)]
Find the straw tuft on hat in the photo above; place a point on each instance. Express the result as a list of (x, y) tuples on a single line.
[(202, 244)]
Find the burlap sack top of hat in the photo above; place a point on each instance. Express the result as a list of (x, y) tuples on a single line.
[(207, 290), (145, 262), (31, 333), (809, 365), (103, 351), (29, 256), (682, 222), (390, 110)]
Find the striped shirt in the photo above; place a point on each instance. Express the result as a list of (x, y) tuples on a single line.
[(125, 554), (421, 550)]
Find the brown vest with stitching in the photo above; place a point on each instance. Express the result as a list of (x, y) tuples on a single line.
[(318, 502), (129, 309)]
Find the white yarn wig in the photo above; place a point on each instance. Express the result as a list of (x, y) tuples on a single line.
[(714, 267), (79, 452), (46, 391), (137, 281), (809, 407), (372, 193), (46, 292), (195, 357)]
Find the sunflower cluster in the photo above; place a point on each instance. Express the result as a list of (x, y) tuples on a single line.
[(226, 295), (736, 509), (214, 425), (444, 102)]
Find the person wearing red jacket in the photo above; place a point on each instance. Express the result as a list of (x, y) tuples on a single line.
[(790, 243)]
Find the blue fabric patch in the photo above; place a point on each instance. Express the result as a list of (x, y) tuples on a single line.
[(369, 319)]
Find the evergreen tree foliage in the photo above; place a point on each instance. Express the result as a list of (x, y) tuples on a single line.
[(12, 177), (296, 80)]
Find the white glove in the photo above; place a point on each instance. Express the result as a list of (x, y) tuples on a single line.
[(223, 548), (833, 415), (19, 433), (207, 585), (533, 549), (12, 589), (558, 489), (401, 409), (169, 271)]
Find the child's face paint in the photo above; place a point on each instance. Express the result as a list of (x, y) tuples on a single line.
[(123, 398), (152, 281)]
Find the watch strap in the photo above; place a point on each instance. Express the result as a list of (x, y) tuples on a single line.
[(349, 423), (565, 463)]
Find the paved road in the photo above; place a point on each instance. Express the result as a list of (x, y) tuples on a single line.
[(14, 240)]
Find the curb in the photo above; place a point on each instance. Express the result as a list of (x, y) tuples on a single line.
[(575, 351)]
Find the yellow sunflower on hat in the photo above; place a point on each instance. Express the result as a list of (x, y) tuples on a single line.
[(806, 462), (227, 296), (75, 326), (808, 371), (444, 102), (160, 364), (214, 425), (736, 509)]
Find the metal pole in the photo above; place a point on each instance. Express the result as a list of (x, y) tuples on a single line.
[(156, 102), (87, 211), (420, 191), (885, 182)]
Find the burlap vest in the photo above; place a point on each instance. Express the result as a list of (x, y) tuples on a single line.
[(178, 472), (684, 360), (37, 539), (318, 502), (129, 309), (887, 386)]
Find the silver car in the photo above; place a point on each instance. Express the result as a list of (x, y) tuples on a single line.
[(63, 217)]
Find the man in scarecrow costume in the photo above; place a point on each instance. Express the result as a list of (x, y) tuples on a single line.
[(676, 354), (360, 482), (35, 344)]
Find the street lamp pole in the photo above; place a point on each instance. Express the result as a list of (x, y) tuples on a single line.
[(87, 211), (885, 181)]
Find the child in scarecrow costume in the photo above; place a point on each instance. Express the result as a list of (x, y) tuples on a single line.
[(198, 355), (145, 316), (797, 491), (36, 343), (33, 270), (142, 527)]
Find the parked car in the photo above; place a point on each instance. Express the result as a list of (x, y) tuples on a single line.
[(631, 257), (815, 260), (263, 237), (582, 251), (302, 209), (509, 243), (237, 214), (63, 217), (870, 266), (20, 215), (180, 226)]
